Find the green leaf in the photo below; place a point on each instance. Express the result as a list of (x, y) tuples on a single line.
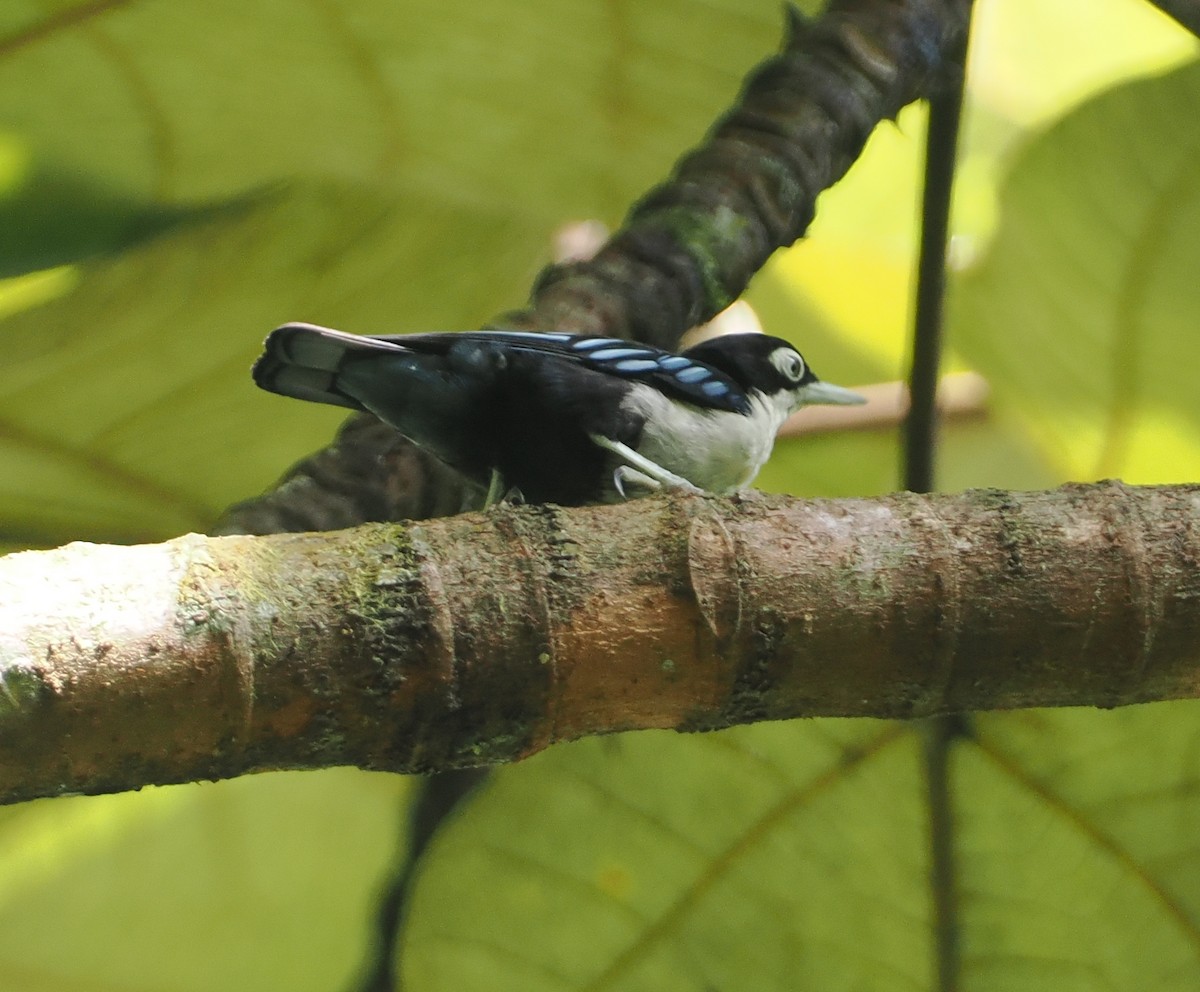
[(55, 217), (452, 101), (260, 883), (795, 856), (126, 407), (767, 857), (1083, 314), (1077, 850)]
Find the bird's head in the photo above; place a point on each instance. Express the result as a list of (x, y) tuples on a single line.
[(771, 367)]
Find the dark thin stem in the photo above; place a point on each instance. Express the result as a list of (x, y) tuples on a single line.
[(920, 443), (438, 797), (940, 735), (920, 428)]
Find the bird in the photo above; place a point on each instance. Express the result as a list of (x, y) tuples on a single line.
[(548, 417)]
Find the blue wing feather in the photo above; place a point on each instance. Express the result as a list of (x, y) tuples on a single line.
[(676, 375)]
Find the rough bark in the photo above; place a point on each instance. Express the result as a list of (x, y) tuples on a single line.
[(483, 638)]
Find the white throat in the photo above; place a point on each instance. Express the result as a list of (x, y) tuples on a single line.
[(715, 449)]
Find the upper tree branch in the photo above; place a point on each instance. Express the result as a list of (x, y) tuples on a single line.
[(485, 637), (690, 247), (685, 251)]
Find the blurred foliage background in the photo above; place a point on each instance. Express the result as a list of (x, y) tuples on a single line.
[(177, 179)]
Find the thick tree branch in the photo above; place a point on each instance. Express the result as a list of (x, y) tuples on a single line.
[(485, 637), (690, 247), (684, 252)]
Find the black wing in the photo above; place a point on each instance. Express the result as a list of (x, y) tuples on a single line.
[(678, 376)]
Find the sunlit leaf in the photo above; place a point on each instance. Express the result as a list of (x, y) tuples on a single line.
[(1083, 314)]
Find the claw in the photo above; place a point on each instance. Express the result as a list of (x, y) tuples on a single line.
[(623, 474), (619, 481)]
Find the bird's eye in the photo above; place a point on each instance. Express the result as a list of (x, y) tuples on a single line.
[(789, 363)]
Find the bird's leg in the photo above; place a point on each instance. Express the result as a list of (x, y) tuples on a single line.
[(641, 467)]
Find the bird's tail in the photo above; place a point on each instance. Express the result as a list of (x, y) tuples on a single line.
[(303, 361)]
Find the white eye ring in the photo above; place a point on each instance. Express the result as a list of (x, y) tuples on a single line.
[(789, 363)]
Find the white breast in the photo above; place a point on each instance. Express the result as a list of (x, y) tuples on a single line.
[(714, 449)]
